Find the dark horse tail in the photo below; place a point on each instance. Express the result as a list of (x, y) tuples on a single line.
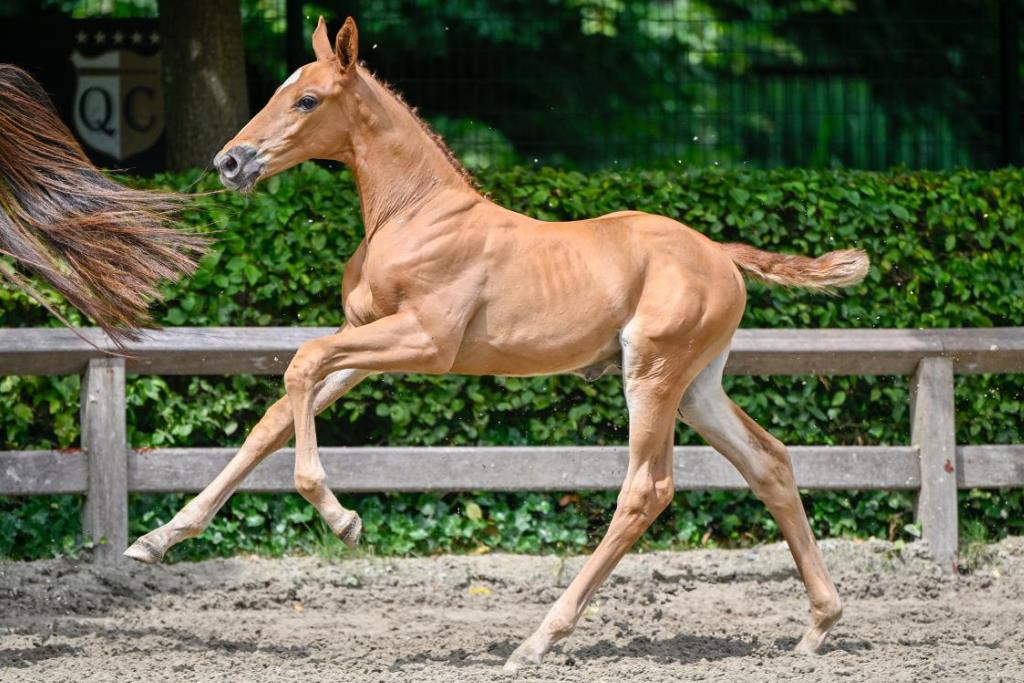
[(105, 247)]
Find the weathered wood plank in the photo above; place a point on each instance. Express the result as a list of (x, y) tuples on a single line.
[(516, 469), (830, 352), (875, 352), (261, 350), (933, 431), (104, 438), (856, 467), (989, 467), (25, 473), (873, 467), (172, 351), (984, 350)]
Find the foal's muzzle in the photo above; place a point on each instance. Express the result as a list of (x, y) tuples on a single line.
[(239, 167)]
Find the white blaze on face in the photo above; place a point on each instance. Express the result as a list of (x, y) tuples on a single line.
[(291, 79)]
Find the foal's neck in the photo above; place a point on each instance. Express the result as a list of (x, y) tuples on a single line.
[(397, 163)]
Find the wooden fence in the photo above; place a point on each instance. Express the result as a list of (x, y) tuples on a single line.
[(106, 469)]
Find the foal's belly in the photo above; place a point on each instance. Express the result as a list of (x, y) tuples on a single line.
[(541, 354)]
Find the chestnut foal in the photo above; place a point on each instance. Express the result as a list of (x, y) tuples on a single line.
[(447, 281)]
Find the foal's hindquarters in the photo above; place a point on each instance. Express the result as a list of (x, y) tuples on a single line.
[(674, 350), (648, 489)]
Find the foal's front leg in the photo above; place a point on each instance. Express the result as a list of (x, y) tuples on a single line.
[(271, 433), (397, 343)]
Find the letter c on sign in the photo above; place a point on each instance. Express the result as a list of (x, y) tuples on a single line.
[(130, 108)]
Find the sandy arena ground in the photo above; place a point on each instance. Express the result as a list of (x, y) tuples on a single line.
[(701, 615)]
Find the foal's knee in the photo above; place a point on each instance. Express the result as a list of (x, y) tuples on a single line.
[(302, 372), (298, 378)]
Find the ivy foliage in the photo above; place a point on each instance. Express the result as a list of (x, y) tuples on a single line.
[(946, 251)]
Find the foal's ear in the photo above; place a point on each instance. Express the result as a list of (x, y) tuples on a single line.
[(346, 45), (321, 43)]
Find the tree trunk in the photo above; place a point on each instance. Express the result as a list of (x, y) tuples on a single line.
[(204, 78)]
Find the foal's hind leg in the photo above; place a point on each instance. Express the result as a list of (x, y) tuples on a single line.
[(764, 463), (651, 397), (271, 433)]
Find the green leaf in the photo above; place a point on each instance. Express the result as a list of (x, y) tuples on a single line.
[(176, 316), (474, 512), (741, 196)]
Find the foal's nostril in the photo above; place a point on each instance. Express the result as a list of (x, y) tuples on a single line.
[(238, 166)]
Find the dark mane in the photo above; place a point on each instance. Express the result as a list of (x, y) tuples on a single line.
[(449, 155), (105, 247)]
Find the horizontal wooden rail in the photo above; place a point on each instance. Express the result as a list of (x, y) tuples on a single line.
[(360, 470), (108, 470), (267, 351), (356, 470)]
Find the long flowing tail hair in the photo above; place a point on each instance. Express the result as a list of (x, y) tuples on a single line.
[(103, 246), (842, 268)]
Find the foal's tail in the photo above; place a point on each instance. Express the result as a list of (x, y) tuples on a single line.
[(842, 268), (104, 246)]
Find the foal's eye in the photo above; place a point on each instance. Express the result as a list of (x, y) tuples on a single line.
[(306, 103)]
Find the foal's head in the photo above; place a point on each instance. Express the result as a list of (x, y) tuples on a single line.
[(307, 118)]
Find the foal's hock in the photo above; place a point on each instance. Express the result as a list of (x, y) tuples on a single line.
[(447, 281)]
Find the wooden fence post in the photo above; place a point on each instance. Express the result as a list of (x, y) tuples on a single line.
[(104, 437), (933, 431)]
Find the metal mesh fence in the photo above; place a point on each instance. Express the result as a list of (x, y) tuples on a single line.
[(856, 83), (667, 83)]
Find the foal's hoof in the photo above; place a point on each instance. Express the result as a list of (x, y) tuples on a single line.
[(821, 624), (522, 658), (145, 552), (348, 529), (809, 645)]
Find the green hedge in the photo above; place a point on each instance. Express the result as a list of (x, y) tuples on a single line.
[(946, 250)]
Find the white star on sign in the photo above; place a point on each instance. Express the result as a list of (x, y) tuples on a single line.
[(100, 37), (82, 37), (118, 38), (136, 38), (154, 37)]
